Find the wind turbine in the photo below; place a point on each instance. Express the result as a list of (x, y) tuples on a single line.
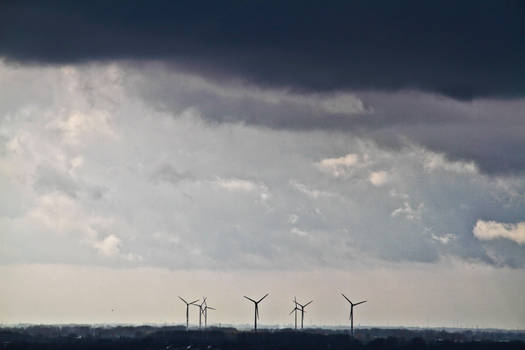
[(201, 310), (295, 309), (188, 310), (302, 310), (256, 304), (206, 308), (352, 312)]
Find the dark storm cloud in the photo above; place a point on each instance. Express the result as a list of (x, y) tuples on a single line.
[(489, 132), (461, 49)]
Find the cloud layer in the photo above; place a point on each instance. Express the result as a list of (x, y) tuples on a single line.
[(94, 175), (487, 133), (464, 50), (448, 77)]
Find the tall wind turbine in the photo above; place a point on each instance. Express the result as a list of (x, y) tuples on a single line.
[(206, 308), (201, 310), (188, 310), (302, 310), (294, 310), (352, 312), (256, 304)]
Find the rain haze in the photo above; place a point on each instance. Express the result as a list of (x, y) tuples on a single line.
[(150, 150)]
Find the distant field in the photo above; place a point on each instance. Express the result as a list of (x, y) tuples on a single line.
[(177, 338)]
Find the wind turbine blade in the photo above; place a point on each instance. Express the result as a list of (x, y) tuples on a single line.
[(250, 299), (211, 308), (263, 297), (203, 301), (308, 303), (193, 302), (294, 309), (364, 301), (183, 300), (344, 296)]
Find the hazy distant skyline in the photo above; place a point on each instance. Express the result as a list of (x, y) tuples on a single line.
[(155, 150)]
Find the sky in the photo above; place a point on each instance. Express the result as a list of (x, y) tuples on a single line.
[(156, 149)]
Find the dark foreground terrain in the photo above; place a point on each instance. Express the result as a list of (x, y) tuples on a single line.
[(177, 338)]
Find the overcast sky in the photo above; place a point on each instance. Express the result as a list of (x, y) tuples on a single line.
[(150, 150)]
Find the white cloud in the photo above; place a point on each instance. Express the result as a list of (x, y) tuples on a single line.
[(61, 214), (292, 219), (298, 232), (489, 230), (378, 178), (75, 163), (338, 166), (240, 185), (314, 193), (437, 161), (79, 124), (408, 212), (396, 194), (236, 184), (444, 239), (109, 246)]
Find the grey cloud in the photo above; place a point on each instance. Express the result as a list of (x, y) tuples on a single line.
[(486, 131), (50, 180), (196, 223), (97, 191), (166, 172), (464, 50)]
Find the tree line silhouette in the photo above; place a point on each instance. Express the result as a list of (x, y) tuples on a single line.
[(177, 338)]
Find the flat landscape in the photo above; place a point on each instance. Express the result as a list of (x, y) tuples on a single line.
[(177, 338)]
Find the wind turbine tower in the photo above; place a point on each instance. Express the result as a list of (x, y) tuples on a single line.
[(256, 304), (206, 308), (188, 310), (302, 310), (352, 312), (294, 310), (201, 310)]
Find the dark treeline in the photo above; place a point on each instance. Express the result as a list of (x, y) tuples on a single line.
[(176, 338)]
